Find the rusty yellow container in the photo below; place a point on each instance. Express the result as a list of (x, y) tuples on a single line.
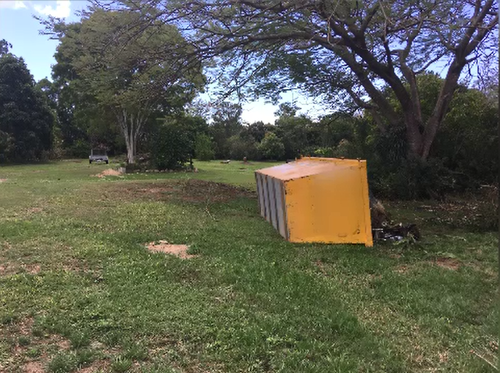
[(317, 200)]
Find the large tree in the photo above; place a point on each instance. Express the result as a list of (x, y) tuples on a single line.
[(226, 122), (131, 74), (335, 47), (26, 120)]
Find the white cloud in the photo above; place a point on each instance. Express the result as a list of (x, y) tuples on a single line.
[(62, 9), (12, 4)]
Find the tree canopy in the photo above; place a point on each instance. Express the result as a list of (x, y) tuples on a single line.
[(128, 73), (345, 51), (26, 120)]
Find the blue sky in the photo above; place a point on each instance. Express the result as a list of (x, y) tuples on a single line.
[(19, 28)]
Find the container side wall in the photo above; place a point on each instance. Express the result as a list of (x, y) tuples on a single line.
[(272, 201), (327, 207), (266, 198), (298, 209), (366, 205), (260, 194), (280, 207)]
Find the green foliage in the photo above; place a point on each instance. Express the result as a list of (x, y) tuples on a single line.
[(467, 140), (4, 47), (226, 122), (172, 146), (63, 362), (79, 149), (255, 131), (135, 351), (79, 340), (272, 147), (84, 357), (414, 179), (139, 76), (204, 148), (240, 148), (120, 364), (463, 156), (23, 341), (33, 352), (294, 132), (26, 120)]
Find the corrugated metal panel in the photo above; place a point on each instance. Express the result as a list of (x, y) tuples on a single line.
[(260, 193), (272, 201), (267, 213), (280, 206)]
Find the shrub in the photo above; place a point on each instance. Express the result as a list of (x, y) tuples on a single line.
[(272, 147), (171, 147), (413, 179), (240, 148), (319, 152), (79, 149), (203, 148)]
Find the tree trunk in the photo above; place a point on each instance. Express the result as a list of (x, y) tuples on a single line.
[(126, 123), (413, 135), (130, 152)]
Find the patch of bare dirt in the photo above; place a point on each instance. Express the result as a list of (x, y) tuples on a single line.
[(443, 357), (3, 180), (33, 367), (197, 191), (402, 269), (64, 344), (7, 269), (96, 366), (108, 172), (448, 263), (321, 267), (25, 326), (34, 210), (163, 246), (17, 359), (33, 269), (155, 190), (201, 191)]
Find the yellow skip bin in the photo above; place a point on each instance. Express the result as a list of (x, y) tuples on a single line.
[(317, 200)]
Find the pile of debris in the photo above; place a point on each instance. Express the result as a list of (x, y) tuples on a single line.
[(383, 229)]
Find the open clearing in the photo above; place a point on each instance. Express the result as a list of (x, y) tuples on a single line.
[(79, 290)]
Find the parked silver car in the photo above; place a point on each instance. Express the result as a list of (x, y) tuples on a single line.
[(98, 155)]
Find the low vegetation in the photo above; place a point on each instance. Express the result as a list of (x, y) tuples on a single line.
[(80, 291)]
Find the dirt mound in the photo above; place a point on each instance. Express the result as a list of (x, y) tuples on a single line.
[(3, 180), (108, 172), (202, 191), (163, 246)]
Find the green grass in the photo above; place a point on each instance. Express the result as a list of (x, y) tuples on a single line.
[(80, 288)]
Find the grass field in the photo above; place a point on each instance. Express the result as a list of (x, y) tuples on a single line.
[(79, 291)]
